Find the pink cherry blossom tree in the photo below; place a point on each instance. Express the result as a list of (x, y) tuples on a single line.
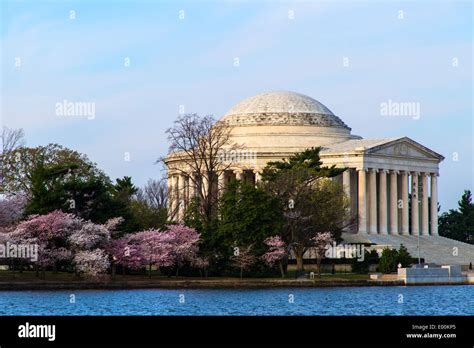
[(63, 237), (277, 251), (50, 232), (86, 242), (156, 248), (185, 244), (320, 244), (202, 263), (11, 209), (126, 253), (90, 236), (243, 259), (91, 262)]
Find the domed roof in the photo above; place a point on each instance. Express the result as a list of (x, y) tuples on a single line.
[(282, 107)]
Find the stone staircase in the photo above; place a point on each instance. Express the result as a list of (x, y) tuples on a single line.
[(436, 249)]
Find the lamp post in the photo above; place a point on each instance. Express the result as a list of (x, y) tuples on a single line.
[(418, 247)]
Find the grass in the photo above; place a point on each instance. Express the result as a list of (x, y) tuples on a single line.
[(30, 276)]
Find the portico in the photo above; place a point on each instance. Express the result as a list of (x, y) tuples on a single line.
[(386, 173)]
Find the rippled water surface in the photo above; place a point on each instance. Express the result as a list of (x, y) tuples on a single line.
[(419, 300)]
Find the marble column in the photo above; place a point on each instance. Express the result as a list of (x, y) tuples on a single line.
[(362, 200), (393, 202), (346, 184), (192, 187), (239, 174), (170, 195), (434, 205), (424, 205), (258, 176), (221, 183), (415, 216), (383, 202), (181, 196), (373, 201), (405, 230)]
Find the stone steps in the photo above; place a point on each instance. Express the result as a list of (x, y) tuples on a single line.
[(436, 249)]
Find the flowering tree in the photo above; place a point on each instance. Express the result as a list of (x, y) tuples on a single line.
[(277, 251), (89, 237), (92, 262), (50, 232), (125, 252), (63, 237), (243, 259), (156, 248), (320, 244), (86, 244), (173, 247), (11, 209), (202, 263), (184, 246)]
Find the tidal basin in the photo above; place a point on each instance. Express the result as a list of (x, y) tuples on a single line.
[(378, 301)]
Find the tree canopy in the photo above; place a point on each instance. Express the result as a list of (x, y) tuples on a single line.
[(312, 202), (458, 223)]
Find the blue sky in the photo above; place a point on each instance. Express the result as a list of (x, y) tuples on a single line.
[(190, 62)]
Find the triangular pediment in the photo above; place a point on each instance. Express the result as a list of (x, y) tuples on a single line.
[(404, 147)]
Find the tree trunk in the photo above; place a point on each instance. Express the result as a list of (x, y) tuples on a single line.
[(149, 271), (319, 266), (281, 270), (37, 270), (299, 263), (241, 272), (113, 271)]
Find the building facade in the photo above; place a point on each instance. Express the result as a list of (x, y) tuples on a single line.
[(381, 173)]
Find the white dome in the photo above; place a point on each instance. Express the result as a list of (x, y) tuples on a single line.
[(282, 107)]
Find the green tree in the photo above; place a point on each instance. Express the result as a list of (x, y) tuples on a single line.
[(459, 224), (363, 266), (61, 187), (391, 258), (404, 257), (124, 189), (75, 185), (388, 261), (21, 163), (247, 216), (312, 203)]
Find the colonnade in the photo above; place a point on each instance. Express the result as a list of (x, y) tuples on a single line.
[(381, 195), (383, 201), (182, 188)]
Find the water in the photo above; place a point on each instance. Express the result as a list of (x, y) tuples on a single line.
[(400, 300)]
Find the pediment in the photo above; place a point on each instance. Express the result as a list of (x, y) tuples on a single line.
[(405, 147)]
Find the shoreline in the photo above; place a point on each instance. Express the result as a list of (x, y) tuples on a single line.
[(201, 284)]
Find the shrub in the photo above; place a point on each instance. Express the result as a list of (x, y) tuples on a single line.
[(388, 260), (362, 267)]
